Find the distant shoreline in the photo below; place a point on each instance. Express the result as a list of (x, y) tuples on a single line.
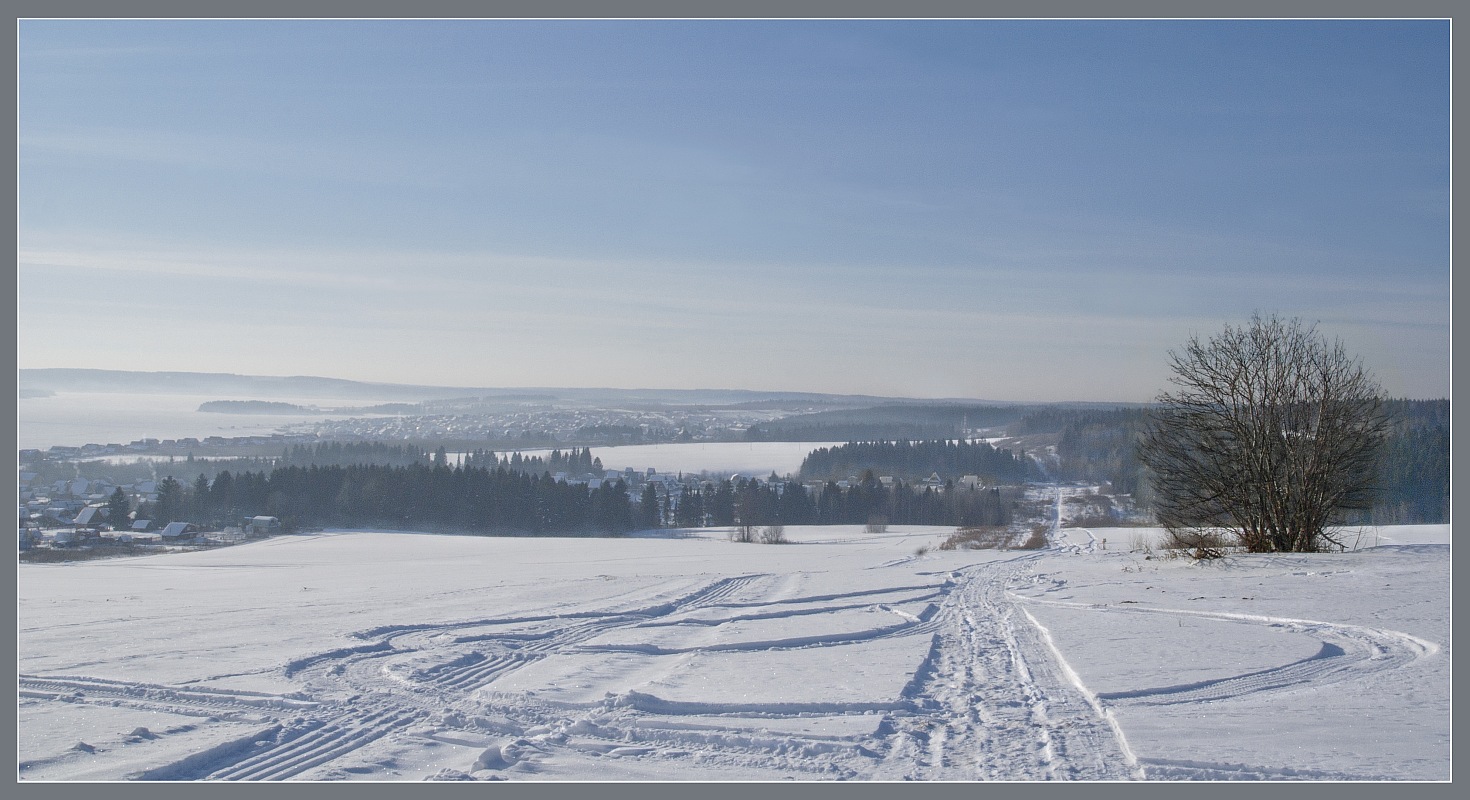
[(256, 407)]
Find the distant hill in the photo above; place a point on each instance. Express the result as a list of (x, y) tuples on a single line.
[(254, 407), (207, 383), (38, 382)]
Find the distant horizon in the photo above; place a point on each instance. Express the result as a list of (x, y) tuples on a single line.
[(632, 389), (712, 389)]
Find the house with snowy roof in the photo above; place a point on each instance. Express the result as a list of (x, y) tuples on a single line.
[(177, 530)]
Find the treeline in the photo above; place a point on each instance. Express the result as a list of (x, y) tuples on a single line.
[(1413, 478), (893, 421), (1102, 447), (503, 502), (749, 502), (1414, 474), (345, 453), (412, 497), (253, 407), (576, 461), (906, 459)]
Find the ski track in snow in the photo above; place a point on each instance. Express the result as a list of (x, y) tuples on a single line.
[(990, 702), (1347, 652), (980, 706), (993, 698)]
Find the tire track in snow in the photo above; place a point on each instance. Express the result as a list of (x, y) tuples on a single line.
[(383, 706), (468, 672), (356, 696), (317, 745), (189, 701), (636, 724), (991, 702), (1192, 770), (1347, 652)]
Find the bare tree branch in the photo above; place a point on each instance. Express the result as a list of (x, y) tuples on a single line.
[(1270, 433)]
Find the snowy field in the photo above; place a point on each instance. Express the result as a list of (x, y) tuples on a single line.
[(757, 459), (683, 656)]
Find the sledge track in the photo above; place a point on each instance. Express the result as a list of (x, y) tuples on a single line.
[(1182, 770), (1347, 652), (316, 745), (196, 701), (480, 673), (350, 701), (990, 703)]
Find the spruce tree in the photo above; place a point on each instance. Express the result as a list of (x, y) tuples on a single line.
[(117, 509), (170, 506), (649, 514)]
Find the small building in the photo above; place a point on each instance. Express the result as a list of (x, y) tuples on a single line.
[(176, 530), (261, 526), (140, 525), (89, 517)]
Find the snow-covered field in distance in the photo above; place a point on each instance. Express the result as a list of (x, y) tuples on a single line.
[(752, 459), (683, 656)]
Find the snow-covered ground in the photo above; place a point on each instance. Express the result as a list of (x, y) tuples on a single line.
[(752, 459), (683, 656)]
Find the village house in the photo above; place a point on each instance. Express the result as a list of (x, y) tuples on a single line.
[(261, 526), (176, 531)]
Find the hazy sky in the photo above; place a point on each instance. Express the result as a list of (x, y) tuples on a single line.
[(994, 209)]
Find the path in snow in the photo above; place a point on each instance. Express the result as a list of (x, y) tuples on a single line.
[(991, 702)]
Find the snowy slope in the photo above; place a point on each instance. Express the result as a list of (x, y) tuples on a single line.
[(683, 656)]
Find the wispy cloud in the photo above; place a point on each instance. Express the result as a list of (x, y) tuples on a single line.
[(194, 266)]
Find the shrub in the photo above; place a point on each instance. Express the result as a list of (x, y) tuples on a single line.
[(984, 537), (1037, 539), (877, 524), (1202, 544), (773, 534)]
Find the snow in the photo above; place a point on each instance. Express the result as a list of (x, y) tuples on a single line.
[(751, 459), (679, 655)]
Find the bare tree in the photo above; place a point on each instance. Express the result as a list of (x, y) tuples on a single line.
[(1271, 433)]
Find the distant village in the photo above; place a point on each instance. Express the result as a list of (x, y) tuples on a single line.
[(77, 511)]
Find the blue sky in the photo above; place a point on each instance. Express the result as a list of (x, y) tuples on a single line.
[(1016, 210)]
